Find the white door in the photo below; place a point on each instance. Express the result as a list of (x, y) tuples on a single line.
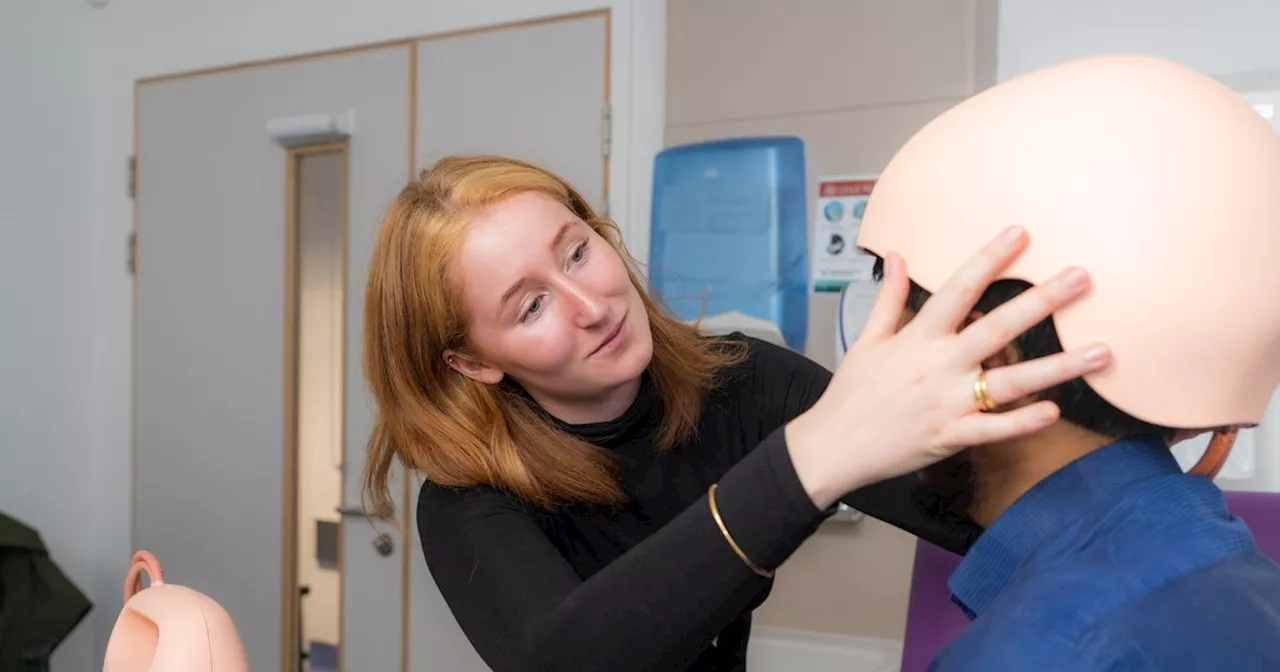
[(216, 316), (214, 488), (536, 92)]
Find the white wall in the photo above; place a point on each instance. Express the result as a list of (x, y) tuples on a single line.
[(48, 315), (1214, 36), (67, 71)]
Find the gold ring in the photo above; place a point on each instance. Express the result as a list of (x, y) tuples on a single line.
[(980, 394)]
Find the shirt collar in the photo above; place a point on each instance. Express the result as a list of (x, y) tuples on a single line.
[(1049, 510)]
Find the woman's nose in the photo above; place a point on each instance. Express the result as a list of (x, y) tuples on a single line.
[(591, 307)]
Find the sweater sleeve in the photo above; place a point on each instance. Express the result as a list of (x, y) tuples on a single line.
[(658, 606), (788, 384)]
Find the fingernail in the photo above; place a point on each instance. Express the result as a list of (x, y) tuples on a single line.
[(1075, 279), (1011, 235), (1096, 354)]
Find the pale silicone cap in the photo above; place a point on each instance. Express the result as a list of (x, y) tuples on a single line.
[(1161, 182)]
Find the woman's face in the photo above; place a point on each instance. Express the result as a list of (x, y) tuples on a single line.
[(549, 302)]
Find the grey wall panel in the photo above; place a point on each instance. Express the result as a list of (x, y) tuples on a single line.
[(747, 59), (533, 92), (210, 326)]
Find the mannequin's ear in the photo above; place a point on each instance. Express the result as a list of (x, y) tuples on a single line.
[(472, 368)]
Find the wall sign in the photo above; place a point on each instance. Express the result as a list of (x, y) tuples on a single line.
[(836, 260)]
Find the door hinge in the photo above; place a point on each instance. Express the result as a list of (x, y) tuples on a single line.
[(606, 130), (133, 177), (131, 253)]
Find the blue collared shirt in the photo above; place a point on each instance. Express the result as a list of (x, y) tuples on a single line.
[(1118, 561)]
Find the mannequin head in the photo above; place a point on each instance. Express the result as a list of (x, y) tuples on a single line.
[(170, 628), (1142, 172)]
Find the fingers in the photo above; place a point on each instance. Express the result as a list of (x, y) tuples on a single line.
[(1010, 383), (948, 307), (882, 321), (1001, 326), (984, 428)]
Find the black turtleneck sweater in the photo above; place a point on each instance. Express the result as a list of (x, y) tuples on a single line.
[(653, 586)]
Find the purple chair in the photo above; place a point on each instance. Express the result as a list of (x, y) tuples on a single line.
[(933, 619)]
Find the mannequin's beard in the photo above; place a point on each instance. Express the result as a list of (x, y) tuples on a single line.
[(949, 489)]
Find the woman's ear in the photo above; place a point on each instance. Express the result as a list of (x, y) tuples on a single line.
[(472, 368)]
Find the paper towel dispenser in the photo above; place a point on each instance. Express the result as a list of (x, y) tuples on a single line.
[(729, 236)]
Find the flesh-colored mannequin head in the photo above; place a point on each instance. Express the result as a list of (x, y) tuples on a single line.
[(168, 628), (1161, 182)]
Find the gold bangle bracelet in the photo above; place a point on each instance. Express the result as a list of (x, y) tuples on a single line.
[(715, 513)]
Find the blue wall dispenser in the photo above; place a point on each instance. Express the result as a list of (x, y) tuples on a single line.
[(729, 236)]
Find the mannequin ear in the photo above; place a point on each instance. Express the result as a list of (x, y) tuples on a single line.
[(472, 368)]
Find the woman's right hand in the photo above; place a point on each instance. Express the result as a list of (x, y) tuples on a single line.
[(903, 399)]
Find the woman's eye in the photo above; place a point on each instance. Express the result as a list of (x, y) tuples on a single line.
[(534, 307), (578, 253)]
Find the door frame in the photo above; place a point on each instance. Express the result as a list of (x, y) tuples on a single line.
[(289, 504), (291, 609)]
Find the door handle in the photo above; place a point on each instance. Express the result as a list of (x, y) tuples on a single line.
[(384, 544), (350, 510)]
